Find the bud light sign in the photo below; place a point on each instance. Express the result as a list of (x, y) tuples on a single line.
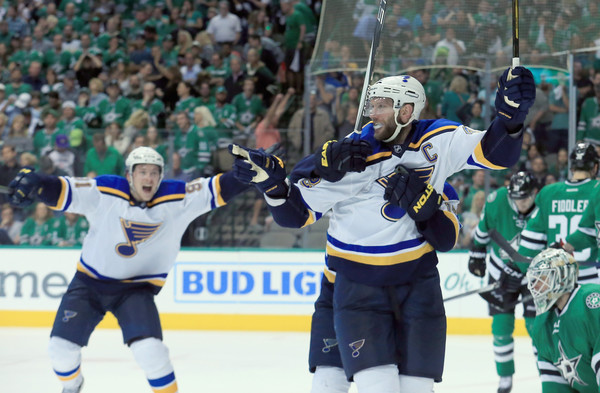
[(247, 282)]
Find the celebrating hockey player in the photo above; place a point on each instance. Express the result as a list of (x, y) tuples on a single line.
[(567, 325), (507, 211), (136, 224), (387, 223), (559, 209)]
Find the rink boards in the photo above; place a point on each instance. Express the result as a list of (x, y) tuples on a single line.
[(254, 290)]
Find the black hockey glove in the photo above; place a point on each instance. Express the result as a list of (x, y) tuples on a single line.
[(477, 256), (515, 95), (265, 171), (406, 189), (335, 158), (511, 278), (23, 189)]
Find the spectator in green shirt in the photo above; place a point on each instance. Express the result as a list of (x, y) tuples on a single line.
[(103, 160)]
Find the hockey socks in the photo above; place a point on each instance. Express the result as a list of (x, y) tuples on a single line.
[(153, 357)]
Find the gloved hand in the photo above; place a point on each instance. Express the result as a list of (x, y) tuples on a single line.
[(511, 278), (406, 189), (477, 256), (515, 95), (335, 158), (24, 187), (265, 171)]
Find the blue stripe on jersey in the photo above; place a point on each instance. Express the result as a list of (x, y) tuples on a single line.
[(450, 192), (66, 373), (376, 249), (427, 129), (135, 278), (159, 382), (168, 191), (113, 185), (471, 161)]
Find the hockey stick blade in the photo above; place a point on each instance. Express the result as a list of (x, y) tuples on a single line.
[(487, 288), (506, 247), (4, 190)]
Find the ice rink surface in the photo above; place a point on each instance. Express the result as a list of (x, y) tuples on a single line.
[(233, 362)]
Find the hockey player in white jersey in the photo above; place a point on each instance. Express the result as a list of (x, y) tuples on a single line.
[(387, 223), (136, 224)]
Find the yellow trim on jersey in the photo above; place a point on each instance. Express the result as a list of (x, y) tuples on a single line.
[(454, 220), (169, 389), (113, 191), (218, 197), (82, 269), (70, 377), (329, 275), (429, 134), (373, 259), (310, 220), (484, 161), (379, 155), (166, 198), (159, 282), (63, 195)]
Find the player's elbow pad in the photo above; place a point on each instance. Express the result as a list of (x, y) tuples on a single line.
[(292, 213), (439, 231)]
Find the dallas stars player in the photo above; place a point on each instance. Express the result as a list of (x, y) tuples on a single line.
[(560, 207), (507, 210), (566, 328)]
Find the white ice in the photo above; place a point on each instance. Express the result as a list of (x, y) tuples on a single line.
[(233, 362)]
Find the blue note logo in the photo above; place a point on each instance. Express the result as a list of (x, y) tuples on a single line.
[(329, 344), (68, 315), (356, 346), (135, 233)]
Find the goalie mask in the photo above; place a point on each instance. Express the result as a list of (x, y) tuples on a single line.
[(584, 158), (402, 90), (551, 274)]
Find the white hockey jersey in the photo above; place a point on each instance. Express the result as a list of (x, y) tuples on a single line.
[(128, 242), (372, 241)]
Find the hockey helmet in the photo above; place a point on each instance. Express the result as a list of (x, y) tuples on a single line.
[(403, 89), (584, 157), (552, 273), (144, 155), (522, 185)]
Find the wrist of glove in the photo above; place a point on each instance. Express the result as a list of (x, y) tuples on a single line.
[(263, 170), (515, 95), (477, 261), (511, 278), (335, 158), (406, 189), (24, 188)]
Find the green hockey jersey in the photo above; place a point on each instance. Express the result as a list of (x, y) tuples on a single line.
[(588, 231), (499, 213), (588, 128), (35, 234), (559, 208), (568, 343)]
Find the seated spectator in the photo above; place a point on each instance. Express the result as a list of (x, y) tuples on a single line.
[(560, 169), (43, 140), (201, 143), (10, 166), (34, 77), (154, 140), (187, 100), (87, 67), (478, 184), (175, 172), (47, 167), (539, 169), (263, 78), (115, 107), (37, 228), (225, 115), (151, 104), (113, 136), (10, 224), (96, 94), (190, 68), (61, 157), (28, 159), (470, 219), (18, 135), (235, 81), (103, 160), (70, 230), (455, 98), (249, 107), (137, 124)]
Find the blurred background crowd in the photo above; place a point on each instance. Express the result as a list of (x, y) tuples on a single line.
[(82, 83)]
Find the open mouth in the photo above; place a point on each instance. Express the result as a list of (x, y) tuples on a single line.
[(147, 188)]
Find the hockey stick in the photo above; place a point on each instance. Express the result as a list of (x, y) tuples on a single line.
[(370, 65), (4, 190), (516, 60), (505, 245), (487, 288)]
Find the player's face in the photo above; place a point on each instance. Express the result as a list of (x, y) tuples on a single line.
[(381, 111), (523, 205), (145, 179)]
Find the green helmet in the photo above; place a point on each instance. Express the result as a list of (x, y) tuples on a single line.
[(552, 273)]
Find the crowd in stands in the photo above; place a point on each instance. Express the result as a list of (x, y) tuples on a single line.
[(83, 83)]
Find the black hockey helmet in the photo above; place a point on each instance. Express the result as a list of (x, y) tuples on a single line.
[(522, 185), (584, 157)]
